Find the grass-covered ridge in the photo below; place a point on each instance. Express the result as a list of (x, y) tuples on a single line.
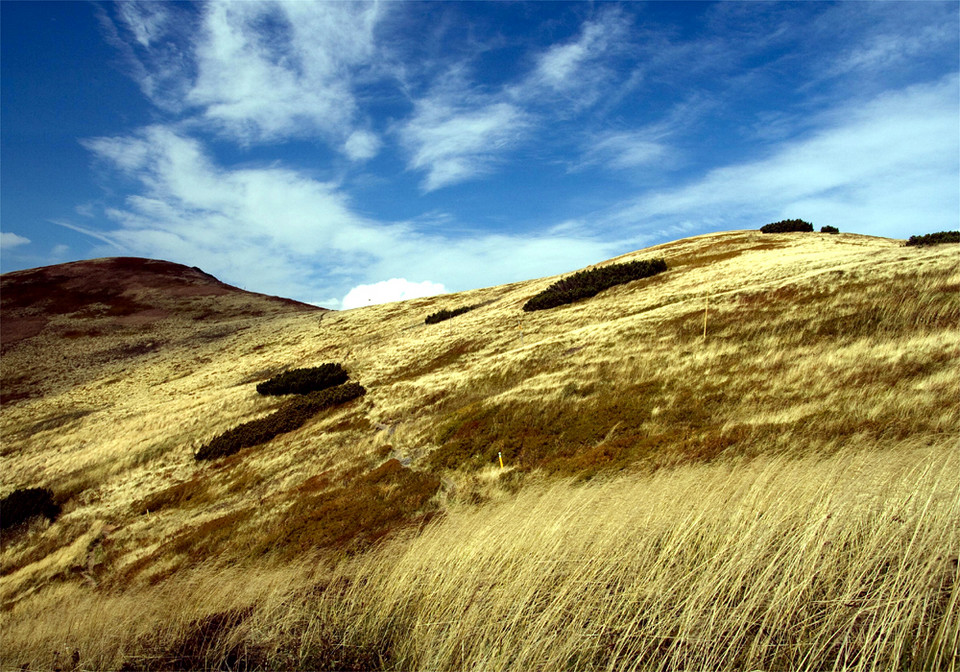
[(748, 462)]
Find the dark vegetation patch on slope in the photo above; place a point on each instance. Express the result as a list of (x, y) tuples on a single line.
[(584, 284), (442, 315), (288, 418), (354, 515), (304, 381), (25, 503)]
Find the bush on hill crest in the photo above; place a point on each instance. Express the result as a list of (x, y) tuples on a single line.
[(787, 226), (584, 284), (829, 229), (934, 238)]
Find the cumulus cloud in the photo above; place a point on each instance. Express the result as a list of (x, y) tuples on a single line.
[(362, 145), (394, 289), (8, 241)]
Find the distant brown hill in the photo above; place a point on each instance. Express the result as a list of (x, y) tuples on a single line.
[(92, 303)]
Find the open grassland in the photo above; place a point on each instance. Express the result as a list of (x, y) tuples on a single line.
[(847, 562), (748, 460)]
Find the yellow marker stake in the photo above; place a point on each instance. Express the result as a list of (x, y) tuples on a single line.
[(500, 455)]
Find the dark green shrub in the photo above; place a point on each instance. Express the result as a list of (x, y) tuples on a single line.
[(442, 315), (584, 284), (934, 238), (829, 229), (25, 503), (304, 381), (288, 418), (787, 226)]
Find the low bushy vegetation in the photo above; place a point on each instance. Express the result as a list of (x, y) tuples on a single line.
[(829, 229), (442, 315), (290, 417), (355, 515), (25, 503), (934, 238), (304, 381), (584, 284), (787, 226)]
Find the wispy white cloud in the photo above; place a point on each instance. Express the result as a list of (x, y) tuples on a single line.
[(453, 143), (286, 233), (624, 150), (874, 168), (9, 240), (580, 66), (254, 71), (461, 130)]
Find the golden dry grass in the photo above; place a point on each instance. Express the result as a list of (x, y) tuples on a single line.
[(816, 346)]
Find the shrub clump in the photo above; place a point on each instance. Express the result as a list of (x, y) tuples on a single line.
[(304, 381), (787, 226), (442, 315), (934, 238), (584, 284), (829, 229), (25, 503), (288, 418)]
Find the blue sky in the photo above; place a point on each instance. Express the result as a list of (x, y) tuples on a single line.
[(352, 153)]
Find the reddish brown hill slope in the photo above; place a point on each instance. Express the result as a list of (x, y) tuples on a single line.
[(70, 319)]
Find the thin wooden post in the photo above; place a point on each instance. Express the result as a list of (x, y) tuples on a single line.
[(706, 307)]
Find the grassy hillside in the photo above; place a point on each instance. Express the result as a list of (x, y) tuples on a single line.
[(747, 461)]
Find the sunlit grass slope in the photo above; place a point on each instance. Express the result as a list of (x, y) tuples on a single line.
[(748, 461)]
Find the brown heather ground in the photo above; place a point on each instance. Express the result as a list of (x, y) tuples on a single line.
[(782, 494)]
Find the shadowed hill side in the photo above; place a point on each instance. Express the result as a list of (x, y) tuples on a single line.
[(70, 319), (754, 362)]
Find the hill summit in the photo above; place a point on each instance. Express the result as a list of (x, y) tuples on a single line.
[(105, 310)]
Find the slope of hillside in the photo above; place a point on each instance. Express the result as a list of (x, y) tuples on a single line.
[(802, 348)]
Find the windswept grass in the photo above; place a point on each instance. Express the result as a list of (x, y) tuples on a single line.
[(847, 562)]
